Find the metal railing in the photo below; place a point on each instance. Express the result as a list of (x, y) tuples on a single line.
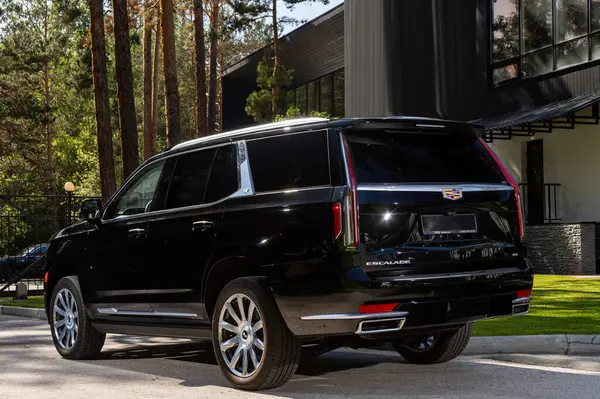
[(550, 203), (26, 223)]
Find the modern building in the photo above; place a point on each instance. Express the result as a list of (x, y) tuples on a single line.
[(527, 70)]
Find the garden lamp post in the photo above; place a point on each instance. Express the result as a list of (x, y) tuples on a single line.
[(70, 189)]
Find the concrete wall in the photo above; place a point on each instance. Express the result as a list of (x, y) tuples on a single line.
[(567, 249), (570, 159)]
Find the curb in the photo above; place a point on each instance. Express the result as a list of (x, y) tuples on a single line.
[(561, 344), (23, 312)]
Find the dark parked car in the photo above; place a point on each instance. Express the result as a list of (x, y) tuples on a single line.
[(13, 264), (298, 237)]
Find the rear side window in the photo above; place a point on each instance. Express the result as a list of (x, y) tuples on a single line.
[(188, 184), (289, 162), (223, 179), (381, 157)]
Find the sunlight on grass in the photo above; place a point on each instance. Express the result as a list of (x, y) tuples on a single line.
[(31, 302), (559, 305)]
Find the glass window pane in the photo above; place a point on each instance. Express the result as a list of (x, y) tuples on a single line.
[(289, 162), (595, 47), (223, 179), (537, 63), (406, 158), (505, 73), (595, 17), (506, 29), (572, 53), (290, 99), (537, 24), (188, 183), (301, 99), (338, 93), (312, 96), (137, 197), (572, 18), (325, 94)]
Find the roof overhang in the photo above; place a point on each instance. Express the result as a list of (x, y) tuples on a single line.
[(560, 114)]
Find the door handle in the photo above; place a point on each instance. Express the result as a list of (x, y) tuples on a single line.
[(202, 225), (137, 233)]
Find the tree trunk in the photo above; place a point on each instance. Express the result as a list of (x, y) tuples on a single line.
[(48, 115), (155, 76), (174, 135), (200, 68), (149, 143), (103, 130), (220, 87), (212, 88), (127, 116), (276, 59)]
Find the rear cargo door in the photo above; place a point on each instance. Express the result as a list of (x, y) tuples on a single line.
[(432, 203)]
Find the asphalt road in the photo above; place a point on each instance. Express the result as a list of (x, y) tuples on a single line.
[(134, 367)]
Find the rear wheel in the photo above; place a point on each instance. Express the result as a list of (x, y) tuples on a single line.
[(434, 348), (253, 346), (72, 332)]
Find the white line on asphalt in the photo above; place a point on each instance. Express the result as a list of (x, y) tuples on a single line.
[(532, 367), (308, 379)]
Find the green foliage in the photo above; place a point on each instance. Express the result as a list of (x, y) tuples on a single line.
[(259, 102)]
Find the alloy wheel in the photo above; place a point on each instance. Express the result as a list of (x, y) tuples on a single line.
[(65, 319), (241, 335)]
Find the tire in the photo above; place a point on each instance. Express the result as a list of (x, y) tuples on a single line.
[(445, 347), (88, 342), (281, 355)]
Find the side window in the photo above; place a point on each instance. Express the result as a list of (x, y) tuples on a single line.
[(289, 162), (223, 179), (137, 197), (188, 184)]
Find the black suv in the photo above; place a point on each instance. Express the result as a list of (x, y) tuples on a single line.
[(298, 237)]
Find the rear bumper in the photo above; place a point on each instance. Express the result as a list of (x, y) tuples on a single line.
[(424, 303)]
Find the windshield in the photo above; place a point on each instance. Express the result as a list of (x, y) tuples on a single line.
[(382, 157)]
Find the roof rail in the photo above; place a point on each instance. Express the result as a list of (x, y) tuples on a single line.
[(253, 129)]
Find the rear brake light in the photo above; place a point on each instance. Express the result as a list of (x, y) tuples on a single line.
[(354, 241), (523, 294), (46, 277), (379, 308), (337, 220), (508, 177)]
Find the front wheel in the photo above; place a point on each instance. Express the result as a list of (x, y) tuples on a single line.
[(253, 346), (73, 335), (434, 348)]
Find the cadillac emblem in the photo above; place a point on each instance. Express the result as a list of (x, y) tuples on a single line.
[(452, 193)]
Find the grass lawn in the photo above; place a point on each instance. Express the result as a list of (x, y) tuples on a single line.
[(31, 302), (559, 305)]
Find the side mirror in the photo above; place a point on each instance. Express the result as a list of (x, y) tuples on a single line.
[(90, 210)]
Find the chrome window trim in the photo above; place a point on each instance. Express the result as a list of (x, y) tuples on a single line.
[(435, 187), (241, 169), (124, 312), (294, 190), (245, 182), (355, 316), (254, 129)]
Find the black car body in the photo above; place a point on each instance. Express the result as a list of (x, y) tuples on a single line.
[(350, 232)]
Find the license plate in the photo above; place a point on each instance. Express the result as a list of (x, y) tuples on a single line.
[(449, 224)]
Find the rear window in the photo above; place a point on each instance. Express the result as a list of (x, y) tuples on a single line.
[(289, 162), (381, 157)]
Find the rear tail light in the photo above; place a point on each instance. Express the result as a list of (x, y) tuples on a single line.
[(523, 294), (351, 201), (379, 308), (337, 220), (511, 180), (46, 277)]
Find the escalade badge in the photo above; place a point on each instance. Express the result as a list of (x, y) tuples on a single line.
[(452, 193)]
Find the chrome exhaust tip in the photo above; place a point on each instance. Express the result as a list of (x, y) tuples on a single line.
[(377, 326), (521, 306)]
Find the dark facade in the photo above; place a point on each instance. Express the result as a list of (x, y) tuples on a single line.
[(437, 58)]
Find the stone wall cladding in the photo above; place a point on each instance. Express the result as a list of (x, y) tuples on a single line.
[(567, 249)]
